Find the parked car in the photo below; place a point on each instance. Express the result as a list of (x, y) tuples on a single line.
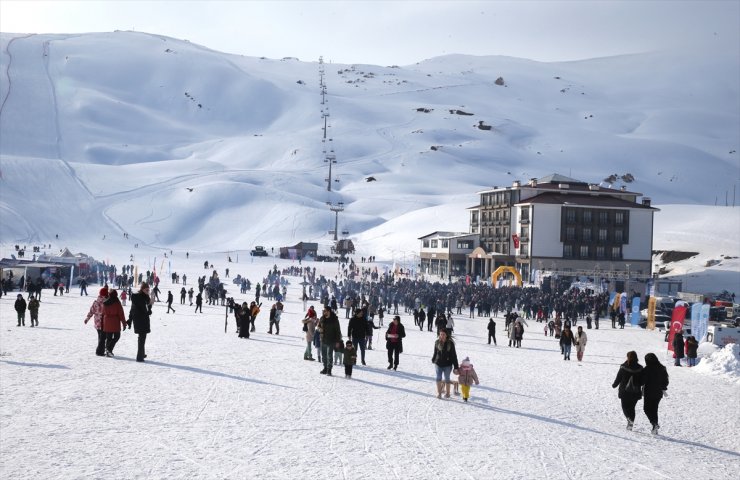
[(259, 251)]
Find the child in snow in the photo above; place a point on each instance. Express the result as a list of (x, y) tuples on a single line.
[(466, 377), (338, 355), (350, 358), (124, 296)]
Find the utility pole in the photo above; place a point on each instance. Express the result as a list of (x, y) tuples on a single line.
[(336, 208)]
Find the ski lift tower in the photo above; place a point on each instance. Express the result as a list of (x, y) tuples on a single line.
[(336, 208)]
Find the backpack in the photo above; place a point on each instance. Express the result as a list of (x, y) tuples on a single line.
[(631, 387)]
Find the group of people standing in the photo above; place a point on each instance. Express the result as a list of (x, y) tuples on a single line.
[(110, 319)]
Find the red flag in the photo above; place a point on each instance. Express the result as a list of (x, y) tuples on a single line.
[(515, 237), (679, 313)]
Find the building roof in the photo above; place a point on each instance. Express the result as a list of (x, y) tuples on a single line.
[(442, 234), (557, 178), (581, 200)]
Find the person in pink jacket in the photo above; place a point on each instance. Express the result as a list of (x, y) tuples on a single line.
[(466, 377), (96, 310)]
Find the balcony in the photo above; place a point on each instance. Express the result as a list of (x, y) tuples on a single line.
[(524, 221)]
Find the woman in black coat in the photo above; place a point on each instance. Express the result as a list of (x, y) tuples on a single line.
[(141, 310), (655, 383), (444, 359), (678, 347), (629, 381)]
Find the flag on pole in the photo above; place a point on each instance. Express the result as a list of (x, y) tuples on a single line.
[(651, 314), (679, 314), (635, 317)]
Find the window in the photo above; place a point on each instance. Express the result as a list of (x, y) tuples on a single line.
[(524, 250), (603, 218), (434, 243), (570, 233), (570, 215), (505, 248), (525, 213), (599, 252), (445, 244), (497, 215), (619, 218), (506, 232), (425, 244), (618, 235), (465, 244), (602, 235), (616, 253), (586, 234), (567, 251), (525, 232), (587, 216), (584, 251)]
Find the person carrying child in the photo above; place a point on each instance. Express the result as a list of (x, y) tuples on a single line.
[(466, 377), (350, 358)]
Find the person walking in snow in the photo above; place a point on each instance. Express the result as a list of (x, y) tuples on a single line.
[(170, 299), (183, 293), (580, 338), (629, 381), (357, 332), (20, 309), (96, 312), (394, 341), (331, 335), (309, 326), (254, 310), (566, 342), (199, 303), (444, 359), (114, 320), (124, 296), (33, 309), (491, 331), (654, 385), (466, 377), (139, 316), (350, 358)]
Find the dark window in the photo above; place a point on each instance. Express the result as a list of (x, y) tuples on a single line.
[(584, 251), (603, 218), (586, 234), (568, 251), (570, 233), (619, 218), (599, 252), (618, 235), (587, 216), (445, 243), (602, 235), (425, 244), (616, 253), (435, 243), (524, 249), (570, 215)]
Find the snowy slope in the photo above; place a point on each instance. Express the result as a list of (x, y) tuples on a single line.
[(102, 134), (209, 405)]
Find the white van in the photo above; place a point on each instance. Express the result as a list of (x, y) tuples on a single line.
[(722, 335)]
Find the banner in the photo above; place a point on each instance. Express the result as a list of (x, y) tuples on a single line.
[(71, 276), (679, 313), (623, 303), (695, 314), (651, 314), (515, 237), (701, 331), (613, 300), (635, 317)]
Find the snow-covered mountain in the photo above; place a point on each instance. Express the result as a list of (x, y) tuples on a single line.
[(186, 147)]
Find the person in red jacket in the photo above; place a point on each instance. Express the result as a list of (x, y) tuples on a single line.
[(114, 320)]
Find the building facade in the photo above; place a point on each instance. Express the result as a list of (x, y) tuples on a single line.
[(445, 254), (563, 226)]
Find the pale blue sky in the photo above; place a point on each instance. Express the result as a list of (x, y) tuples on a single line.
[(399, 32)]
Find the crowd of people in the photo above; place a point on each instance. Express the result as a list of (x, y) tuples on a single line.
[(365, 294)]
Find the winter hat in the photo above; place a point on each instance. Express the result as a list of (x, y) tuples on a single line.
[(103, 292)]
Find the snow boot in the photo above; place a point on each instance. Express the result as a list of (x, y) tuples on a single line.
[(465, 400), (328, 373), (440, 387), (630, 423), (323, 372), (390, 365), (654, 431), (447, 390)]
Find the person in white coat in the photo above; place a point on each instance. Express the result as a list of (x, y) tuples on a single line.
[(580, 338)]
